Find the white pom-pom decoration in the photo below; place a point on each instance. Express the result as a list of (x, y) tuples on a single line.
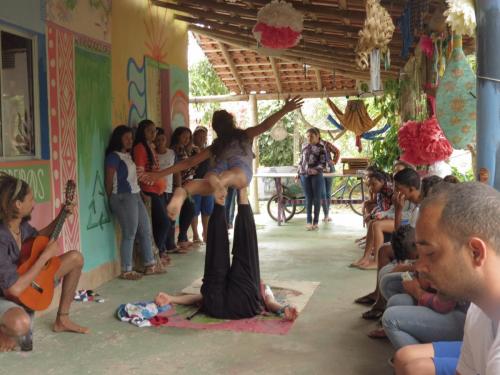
[(461, 16)]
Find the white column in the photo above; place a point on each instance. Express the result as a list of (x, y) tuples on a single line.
[(253, 118)]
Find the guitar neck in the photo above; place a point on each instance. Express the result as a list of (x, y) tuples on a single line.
[(59, 225)]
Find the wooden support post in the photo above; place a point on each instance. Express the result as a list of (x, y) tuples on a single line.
[(253, 120), (488, 89)]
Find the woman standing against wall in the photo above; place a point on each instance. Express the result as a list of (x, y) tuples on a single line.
[(182, 144), (311, 166), (146, 159), (126, 203)]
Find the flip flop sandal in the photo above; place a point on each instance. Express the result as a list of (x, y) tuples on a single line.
[(131, 275), (365, 300), (377, 334), (154, 270), (372, 314)]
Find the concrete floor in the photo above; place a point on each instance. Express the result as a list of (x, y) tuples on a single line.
[(328, 338)]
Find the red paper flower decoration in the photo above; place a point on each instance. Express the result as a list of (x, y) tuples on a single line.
[(279, 25), (423, 143)]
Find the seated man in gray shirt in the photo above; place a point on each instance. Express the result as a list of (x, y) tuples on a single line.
[(16, 205)]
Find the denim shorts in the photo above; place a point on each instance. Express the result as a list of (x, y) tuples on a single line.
[(203, 204), (446, 355), (224, 165)]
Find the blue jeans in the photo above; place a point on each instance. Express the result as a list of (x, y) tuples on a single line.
[(314, 187), (327, 196), (133, 218), (408, 324), (391, 284), (159, 219)]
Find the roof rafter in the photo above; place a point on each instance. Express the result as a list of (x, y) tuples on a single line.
[(230, 62)]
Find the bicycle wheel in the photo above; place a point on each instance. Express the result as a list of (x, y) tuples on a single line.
[(357, 193), (300, 207), (272, 207)]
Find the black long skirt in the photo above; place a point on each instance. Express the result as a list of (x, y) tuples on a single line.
[(232, 290)]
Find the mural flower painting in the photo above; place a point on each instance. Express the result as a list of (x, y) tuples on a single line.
[(279, 25)]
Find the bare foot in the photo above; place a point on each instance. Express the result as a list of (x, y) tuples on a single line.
[(359, 262), (175, 205), (370, 265), (7, 343), (64, 324)]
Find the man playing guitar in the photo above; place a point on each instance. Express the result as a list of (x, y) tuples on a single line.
[(16, 205)]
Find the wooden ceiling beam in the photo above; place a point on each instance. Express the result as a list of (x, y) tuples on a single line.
[(201, 9), (320, 38), (347, 70), (319, 82), (276, 74), (300, 55), (273, 96), (227, 56), (334, 11)]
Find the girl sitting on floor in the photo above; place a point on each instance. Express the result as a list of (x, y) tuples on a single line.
[(232, 154)]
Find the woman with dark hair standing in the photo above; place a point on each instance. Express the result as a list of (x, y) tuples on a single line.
[(146, 159), (182, 144), (125, 200), (313, 161)]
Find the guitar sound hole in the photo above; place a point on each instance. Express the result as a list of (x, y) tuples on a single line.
[(37, 287)]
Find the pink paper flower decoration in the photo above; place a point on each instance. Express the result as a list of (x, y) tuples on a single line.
[(279, 25), (423, 143), (427, 46)]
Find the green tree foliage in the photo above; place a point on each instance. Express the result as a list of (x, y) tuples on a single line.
[(276, 153), (386, 151), (203, 80)]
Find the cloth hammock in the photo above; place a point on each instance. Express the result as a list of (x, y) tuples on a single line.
[(355, 118), (370, 136)]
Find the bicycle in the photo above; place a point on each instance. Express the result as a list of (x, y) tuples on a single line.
[(293, 203)]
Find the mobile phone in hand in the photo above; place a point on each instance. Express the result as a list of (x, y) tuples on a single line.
[(406, 276)]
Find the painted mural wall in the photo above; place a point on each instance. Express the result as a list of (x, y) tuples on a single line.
[(98, 66), (150, 77)]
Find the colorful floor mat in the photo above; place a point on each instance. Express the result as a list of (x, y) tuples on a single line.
[(296, 293)]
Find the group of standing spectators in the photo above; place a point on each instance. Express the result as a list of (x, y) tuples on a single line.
[(129, 158)]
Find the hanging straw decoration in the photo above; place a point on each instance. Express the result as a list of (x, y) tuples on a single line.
[(376, 33)]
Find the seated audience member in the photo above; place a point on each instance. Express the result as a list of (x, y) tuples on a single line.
[(458, 243), (377, 223), (405, 211), (398, 252), (419, 315), (437, 358)]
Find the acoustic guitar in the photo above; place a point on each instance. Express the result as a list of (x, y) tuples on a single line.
[(38, 295)]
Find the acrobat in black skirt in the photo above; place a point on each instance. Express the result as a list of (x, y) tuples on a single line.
[(232, 290)]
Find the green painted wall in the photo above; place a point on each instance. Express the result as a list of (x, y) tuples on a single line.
[(93, 102)]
